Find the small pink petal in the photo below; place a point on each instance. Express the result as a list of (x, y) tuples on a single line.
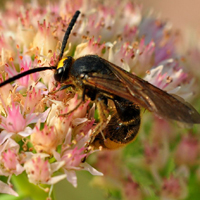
[(78, 121), (56, 179), (26, 132), (90, 169), (42, 117), (56, 155), (57, 165), (68, 136), (71, 177), (91, 112), (10, 143), (83, 140), (19, 169), (4, 135), (4, 188)]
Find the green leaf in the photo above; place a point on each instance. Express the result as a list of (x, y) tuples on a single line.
[(26, 189)]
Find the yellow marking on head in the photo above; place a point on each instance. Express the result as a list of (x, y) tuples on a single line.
[(61, 63)]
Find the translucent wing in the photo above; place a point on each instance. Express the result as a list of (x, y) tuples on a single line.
[(139, 91)]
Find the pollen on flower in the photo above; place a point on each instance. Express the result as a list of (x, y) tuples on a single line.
[(11, 59)]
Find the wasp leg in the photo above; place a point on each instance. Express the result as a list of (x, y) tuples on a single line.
[(103, 112), (71, 111), (66, 86), (62, 88)]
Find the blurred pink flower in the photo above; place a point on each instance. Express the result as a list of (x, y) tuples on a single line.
[(187, 151), (173, 189)]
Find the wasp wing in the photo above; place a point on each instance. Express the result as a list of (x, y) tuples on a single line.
[(108, 86), (141, 92)]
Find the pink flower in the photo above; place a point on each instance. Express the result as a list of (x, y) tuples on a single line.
[(9, 164), (44, 140), (34, 100), (25, 64), (40, 171), (10, 160), (16, 123), (42, 38), (169, 76), (73, 157), (73, 154), (89, 47), (157, 31)]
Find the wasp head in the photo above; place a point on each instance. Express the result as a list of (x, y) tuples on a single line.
[(63, 69)]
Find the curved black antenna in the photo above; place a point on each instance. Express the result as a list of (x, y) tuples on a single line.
[(30, 71), (68, 31)]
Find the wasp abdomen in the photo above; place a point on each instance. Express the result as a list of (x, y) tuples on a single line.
[(122, 127)]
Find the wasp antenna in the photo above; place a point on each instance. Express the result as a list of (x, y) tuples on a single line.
[(31, 71), (68, 31)]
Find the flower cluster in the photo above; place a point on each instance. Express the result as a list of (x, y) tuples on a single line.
[(39, 139)]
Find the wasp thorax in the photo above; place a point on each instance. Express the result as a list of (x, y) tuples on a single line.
[(63, 68)]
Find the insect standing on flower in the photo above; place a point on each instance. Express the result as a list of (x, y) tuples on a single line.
[(104, 82)]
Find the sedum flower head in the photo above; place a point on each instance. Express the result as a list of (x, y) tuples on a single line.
[(38, 138)]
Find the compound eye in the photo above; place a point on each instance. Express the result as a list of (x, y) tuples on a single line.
[(63, 69), (58, 74)]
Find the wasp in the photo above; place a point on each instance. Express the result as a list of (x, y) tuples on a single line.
[(102, 81)]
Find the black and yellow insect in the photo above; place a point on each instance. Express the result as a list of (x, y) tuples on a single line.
[(102, 81)]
